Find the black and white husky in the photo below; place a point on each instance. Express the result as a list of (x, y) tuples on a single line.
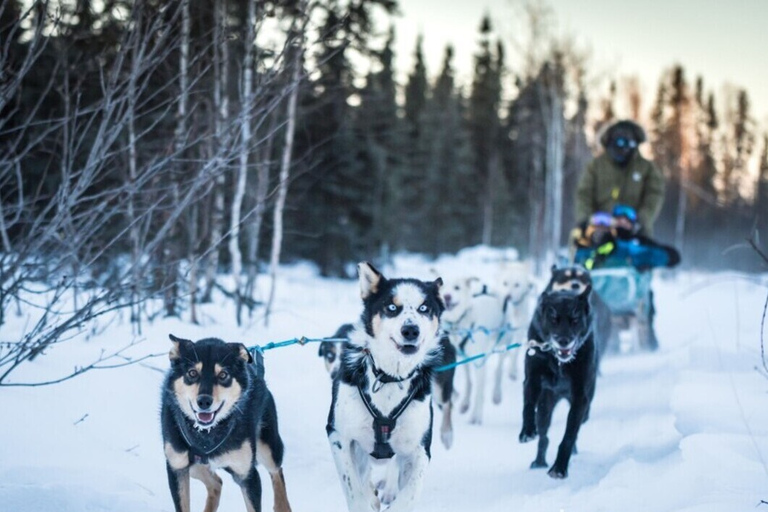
[(381, 412)]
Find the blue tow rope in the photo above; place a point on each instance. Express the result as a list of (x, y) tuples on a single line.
[(304, 340), (476, 357)]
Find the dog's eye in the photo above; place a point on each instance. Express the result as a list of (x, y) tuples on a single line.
[(423, 308), (391, 308), (192, 374), (574, 320), (223, 376)]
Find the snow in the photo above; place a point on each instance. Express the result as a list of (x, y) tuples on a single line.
[(682, 429)]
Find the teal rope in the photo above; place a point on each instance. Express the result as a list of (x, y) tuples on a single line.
[(293, 341), (475, 357)]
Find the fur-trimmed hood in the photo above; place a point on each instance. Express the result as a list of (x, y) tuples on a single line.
[(636, 129)]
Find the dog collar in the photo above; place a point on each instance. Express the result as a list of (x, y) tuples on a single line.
[(381, 377)]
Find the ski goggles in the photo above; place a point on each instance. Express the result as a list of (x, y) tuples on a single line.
[(622, 210), (622, 142)]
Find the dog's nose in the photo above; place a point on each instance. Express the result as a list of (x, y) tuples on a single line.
[(204, 402), (575, 286), (410, 332)]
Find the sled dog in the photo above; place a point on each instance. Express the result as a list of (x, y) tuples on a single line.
[(476, 323), (381, 412), (218, 413), (517, 286), (561, 363)]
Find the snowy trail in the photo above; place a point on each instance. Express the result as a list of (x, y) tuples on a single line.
[(684, 429)]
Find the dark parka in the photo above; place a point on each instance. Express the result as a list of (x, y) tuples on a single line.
[(640, 184)]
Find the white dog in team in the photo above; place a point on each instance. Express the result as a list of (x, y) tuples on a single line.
[(476, 323), (516, 283)]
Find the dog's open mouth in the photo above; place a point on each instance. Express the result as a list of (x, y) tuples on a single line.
[(407, 349), (206, 418)]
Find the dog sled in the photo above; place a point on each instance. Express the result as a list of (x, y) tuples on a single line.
[(627, 293)]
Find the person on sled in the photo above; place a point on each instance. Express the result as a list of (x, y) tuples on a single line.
[(618, 198)]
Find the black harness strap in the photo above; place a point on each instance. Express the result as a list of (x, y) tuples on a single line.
[(199, 452), (384, 425), (385, 378)]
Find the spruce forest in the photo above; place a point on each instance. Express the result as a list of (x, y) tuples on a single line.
[(148, 147)]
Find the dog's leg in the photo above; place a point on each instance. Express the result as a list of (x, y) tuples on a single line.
[(178, 481), (477, 407), (212, 484), (446, 427), (411, 477), (177, 466), (269, 452), (464, 407), (579, 405), (543, 420), (264, 454), (531, 392), (497, 379), (351, 483), (251, 488), (387, 488)]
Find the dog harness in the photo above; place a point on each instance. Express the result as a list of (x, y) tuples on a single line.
[(384, 425), (205, 445)]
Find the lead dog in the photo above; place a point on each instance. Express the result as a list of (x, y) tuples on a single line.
[(442, 382), (218, 413), (381, 412)]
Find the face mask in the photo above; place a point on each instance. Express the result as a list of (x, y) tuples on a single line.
[(621, 149)]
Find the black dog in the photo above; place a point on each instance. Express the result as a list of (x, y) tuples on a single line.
[(561, 362), (330, 351), (218, 413), (575, 279)]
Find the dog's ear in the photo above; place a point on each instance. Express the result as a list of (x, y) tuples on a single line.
[(369, 278), (244, 353), (175, 352), (586, 291)]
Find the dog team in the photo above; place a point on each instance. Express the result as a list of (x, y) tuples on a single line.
[(397, 360)]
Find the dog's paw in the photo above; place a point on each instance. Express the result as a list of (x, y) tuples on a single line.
[(464, 407), (538, 464), (475, 420), (558, 473), (447, 438), (496, 396), (527, 435)]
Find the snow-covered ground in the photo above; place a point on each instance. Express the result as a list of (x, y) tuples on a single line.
[(683, 429)]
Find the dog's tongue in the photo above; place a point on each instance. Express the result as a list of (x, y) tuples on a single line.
[(205, 417)]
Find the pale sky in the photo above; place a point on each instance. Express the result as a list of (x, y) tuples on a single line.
[(725, 41)]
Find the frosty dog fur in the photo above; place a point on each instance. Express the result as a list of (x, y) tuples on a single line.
[(381, 412)]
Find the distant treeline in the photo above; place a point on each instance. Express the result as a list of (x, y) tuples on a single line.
[(182, 139)]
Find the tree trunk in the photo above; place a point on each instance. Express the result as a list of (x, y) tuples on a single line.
[(242, 173), (171, 251), (254, 228), (285, 165), (133, 234), (221, 114)]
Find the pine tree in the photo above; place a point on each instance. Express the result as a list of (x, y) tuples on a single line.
[(484, 123)]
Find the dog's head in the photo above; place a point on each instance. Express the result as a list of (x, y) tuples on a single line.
[(208, 378), (402, 316), (457, 296), (565, 320), (573, 279), (515, 281), (330, 353)]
